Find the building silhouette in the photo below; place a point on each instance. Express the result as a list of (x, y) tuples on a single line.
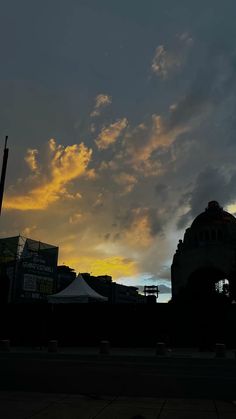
[(29, 274), (204, 265), (116, 293), (65, 276)]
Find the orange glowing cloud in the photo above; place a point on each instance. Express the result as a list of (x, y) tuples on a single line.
[(126, 181), (31, 160), (115, 266), (160, 138), (110, 134), (65, 165), (139, 233), (101, 102), (142, 142)]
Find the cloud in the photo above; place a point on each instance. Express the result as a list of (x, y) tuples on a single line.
[(164, 273), (110, 134), (147, 146), (141, 225), (139, 232), (157, 135), (136, 190), (163, 62), (153, 173), (101, 102), (65, 165), (211, 185), (116, 266), (75, 218), (28, 231), (185, 38), (126, 180), (210, 87), (166, 61), (31, 160)]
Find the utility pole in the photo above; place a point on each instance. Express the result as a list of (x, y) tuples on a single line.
[(3, 174)]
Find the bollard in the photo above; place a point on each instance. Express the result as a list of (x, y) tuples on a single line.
[(5, 345), (104, 347), (161, 348), (52, 346), (220, 350)]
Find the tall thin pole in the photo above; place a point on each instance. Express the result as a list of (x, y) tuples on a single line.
[(3, 174)]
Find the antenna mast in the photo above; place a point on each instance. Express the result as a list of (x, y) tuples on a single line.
[(3, 174)]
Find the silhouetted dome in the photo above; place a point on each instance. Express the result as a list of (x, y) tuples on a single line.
[(213, 214)]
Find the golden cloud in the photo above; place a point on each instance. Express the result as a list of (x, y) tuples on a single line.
[(139, 233), (126, 180), (75, 218), (110, 134), (141, 143), (28, 231), (31, 159), (65, 165), (101, 101), (160, 136), (115, 266)]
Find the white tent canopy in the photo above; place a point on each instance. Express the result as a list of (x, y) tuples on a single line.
[(77, 292)]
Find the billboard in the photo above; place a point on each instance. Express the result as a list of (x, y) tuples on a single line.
[(37, 269), (31, 267)]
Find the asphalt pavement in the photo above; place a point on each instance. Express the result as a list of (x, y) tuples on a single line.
[(123, 373)]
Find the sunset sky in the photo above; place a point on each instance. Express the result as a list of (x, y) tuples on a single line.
[(121, 117)]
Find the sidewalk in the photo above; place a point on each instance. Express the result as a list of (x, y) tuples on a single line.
[(24, 405)]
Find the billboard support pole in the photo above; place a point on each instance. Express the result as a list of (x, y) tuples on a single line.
[(3, 174)]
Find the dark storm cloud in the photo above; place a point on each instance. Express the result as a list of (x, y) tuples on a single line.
[(213, 82), (211, 184), (208, 107), (157, 221), (161, 191)]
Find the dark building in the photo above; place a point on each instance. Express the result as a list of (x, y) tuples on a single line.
[(65, 276), (28, 269), (204, 265), (125, 294), (116, 293)]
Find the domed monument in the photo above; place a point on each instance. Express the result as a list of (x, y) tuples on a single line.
[(204, 265)]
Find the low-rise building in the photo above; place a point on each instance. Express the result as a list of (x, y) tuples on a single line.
[(65, 276), (116, 293)]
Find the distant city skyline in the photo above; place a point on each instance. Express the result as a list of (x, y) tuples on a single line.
[(121, 124)]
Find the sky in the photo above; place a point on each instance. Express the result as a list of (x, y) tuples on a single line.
[(121, 124)]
